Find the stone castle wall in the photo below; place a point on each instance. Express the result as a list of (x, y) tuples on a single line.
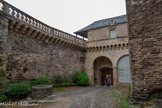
[(145, 44), (3, 43), (29, 58), (103, 33), (30, 49)]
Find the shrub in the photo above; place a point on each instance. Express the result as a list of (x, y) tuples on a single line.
[(42, 81), (66, 78), (81, 78), (58, 79), (2, 96), (63, 84), (20, 89), (121, 100)]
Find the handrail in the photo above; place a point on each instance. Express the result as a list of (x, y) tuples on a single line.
[(20, 15)]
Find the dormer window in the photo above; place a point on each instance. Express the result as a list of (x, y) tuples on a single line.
[(112, 34)]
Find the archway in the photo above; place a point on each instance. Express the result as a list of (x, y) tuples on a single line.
[(124, 69), (102, 67)]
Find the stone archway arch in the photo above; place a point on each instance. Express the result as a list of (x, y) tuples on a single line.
[(113, 56), (102, 66)]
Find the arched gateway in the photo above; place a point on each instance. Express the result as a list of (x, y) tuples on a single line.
[(102, 67)]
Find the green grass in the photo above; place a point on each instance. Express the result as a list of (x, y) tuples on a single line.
[(50, 98), (122, 101), (58, 90)]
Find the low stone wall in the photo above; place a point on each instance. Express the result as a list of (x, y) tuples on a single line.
[(40, 91)]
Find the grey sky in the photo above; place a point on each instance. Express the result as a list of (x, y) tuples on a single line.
[(70, 15)]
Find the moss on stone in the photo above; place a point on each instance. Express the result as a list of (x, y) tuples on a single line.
[(1, 60), (2, 96), (2, 82), (1, 42), (1, 49), (2, 73), (9, 67)]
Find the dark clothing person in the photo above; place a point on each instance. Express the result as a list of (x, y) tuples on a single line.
[(108, 82)]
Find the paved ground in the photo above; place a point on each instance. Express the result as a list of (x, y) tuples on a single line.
[(80, 97), (88, 97), (83, 97)]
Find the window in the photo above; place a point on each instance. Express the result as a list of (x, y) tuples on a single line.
[(112, 34)]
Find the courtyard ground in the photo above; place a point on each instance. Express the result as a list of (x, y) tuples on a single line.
[(82, 97)]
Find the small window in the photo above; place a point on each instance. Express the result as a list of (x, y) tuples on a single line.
[(112, 34)]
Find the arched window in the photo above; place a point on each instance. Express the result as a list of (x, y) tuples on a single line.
[(124, 70)]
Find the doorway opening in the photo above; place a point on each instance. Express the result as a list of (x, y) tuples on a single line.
[(102, 67), (106, 72)]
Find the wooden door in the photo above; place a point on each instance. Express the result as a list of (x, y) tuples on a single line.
[(105, 72)]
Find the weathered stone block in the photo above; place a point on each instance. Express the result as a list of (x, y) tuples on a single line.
[(41, 91)]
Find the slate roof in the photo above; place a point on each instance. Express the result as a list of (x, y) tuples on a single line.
[(102, 23)]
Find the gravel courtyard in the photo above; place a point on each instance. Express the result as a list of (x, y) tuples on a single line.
[(84, 97)]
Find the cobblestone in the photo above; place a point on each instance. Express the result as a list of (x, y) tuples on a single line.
[(80, 97), (88, 97)]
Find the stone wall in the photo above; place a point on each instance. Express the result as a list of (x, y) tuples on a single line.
[(30, 49), (103, 33), (145, 44), (3, 43), (29, 58)]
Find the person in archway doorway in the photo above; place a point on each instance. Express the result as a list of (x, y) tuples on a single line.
[(108, 81)]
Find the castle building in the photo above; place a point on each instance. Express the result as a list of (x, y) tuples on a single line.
[(107, 50), (32, 49)]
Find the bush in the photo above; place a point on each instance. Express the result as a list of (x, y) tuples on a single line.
[(58, 79), (20, 89), (63, 84), (42, 81), (2, 96), (81, 78)]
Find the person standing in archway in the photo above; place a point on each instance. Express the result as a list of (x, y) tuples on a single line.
[(109, 81), (106, 82)]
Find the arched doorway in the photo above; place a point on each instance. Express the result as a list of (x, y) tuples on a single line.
[(102, 67), (124, 70), (104, 73)]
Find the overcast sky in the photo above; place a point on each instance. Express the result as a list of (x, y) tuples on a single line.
[(70, 15)]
